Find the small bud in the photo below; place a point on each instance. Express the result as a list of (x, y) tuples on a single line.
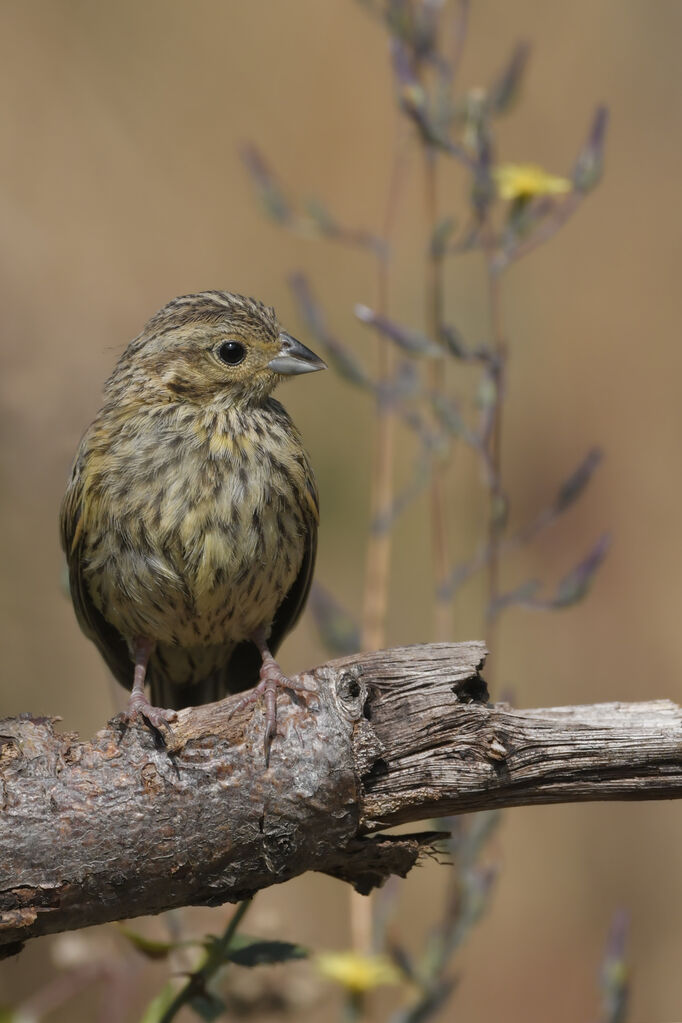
[(574, 586), (409, 340), (590, 163), (486, 397), (442, 233), (339, 356), (573, 487), (523, 594), (340, 633), (321, 217), (448, 414), (505, 91), (453, 341), (272, 196), (499, 512)]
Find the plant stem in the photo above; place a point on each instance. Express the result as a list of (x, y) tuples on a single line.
[(214, 961), (434, 319), (378, 556), (353, 1007), (496, 513)]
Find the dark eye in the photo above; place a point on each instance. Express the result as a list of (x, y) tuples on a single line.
[(232, 352)]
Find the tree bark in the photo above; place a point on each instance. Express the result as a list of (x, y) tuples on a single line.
[(128, 824)]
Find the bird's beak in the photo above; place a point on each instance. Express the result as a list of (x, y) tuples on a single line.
[(294, 358)]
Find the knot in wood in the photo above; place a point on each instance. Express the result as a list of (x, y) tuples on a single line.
[(350, 693), (497, 750)]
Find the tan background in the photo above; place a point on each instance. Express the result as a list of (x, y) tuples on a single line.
[(120, 186)]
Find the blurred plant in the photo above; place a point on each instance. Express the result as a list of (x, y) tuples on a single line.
[(425, 976), (358, 974), (615, 976), (467, 897), (512, 209), (201, 991)]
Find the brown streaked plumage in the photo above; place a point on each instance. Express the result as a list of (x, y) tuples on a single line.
[(190, 519)]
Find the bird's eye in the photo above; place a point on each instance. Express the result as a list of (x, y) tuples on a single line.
[(232, 352)]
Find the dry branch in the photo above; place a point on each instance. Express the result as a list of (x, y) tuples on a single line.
[(122, 826)]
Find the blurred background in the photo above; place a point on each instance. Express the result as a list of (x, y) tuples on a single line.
[(121, 186)]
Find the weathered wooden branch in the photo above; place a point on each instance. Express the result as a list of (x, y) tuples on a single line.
[(122, 826)]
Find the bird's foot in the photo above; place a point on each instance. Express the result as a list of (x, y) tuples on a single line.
[(272, 678), (139, 708)]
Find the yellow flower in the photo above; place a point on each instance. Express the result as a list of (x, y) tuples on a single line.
[(356, 972), (525, 180)]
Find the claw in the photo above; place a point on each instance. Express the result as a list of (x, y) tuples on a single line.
[(139, 707), (272, 678)]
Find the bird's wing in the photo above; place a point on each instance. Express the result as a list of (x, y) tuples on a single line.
[(107, 640), (291, 608), (243, 668)]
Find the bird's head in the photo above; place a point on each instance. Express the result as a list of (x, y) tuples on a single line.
[(213, 346)]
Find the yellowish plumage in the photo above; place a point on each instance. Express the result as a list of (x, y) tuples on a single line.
[(190, 518)]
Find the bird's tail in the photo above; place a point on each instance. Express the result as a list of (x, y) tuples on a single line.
[(241, 672), (174, 697)]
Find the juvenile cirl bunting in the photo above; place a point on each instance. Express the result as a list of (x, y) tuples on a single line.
[(190, 519)]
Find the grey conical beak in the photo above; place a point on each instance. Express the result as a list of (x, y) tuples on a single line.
[(294, 358)]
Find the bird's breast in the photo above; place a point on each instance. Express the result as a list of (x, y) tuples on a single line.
[(216, 518)]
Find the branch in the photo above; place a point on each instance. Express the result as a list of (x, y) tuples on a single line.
[(122, 825)]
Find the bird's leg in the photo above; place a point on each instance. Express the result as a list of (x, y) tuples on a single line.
[(271, 678), (138, 704)]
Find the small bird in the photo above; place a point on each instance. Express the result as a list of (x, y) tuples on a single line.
[(190, 518)]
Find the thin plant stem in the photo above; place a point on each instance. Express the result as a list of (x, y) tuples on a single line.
[(214, 961), (353, 1007), (438, 494), (496, 516), (378, 556)]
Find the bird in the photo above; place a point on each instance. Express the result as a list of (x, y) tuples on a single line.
[(190, 517)]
